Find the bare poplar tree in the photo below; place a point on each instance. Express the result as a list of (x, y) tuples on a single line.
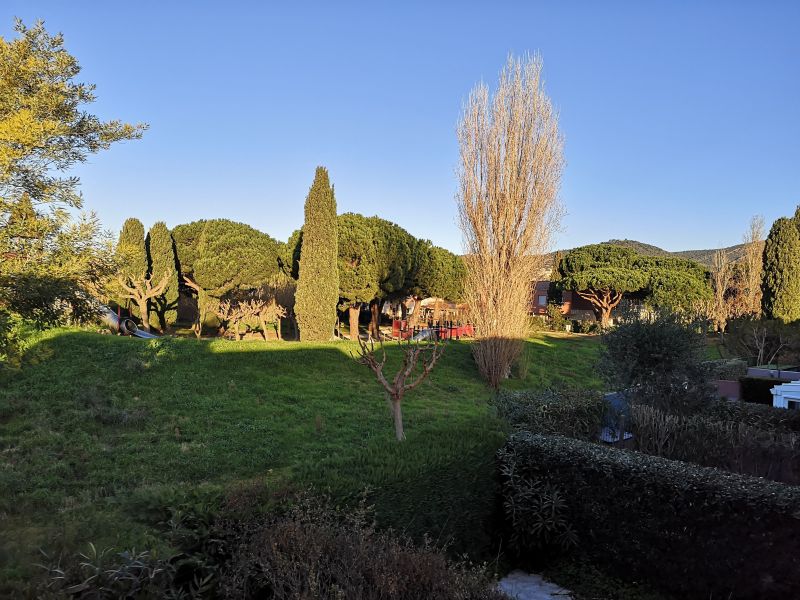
[(752, 265), (509, 177), (721, 274)]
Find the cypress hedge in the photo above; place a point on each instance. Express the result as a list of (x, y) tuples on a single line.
[(693, 531)]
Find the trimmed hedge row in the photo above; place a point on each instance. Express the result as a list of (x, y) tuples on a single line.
[(574, 413), (731, 445), (693, 531), (755, 415), (726, 368)]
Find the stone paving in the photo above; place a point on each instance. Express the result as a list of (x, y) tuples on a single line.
[(530, 586)]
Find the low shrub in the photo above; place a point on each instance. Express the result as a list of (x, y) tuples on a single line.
[(570, 412), (726, 368), (315, 551), (758, 389), (731, 445), (304, 548), (586, 326), (555, 318), (756, 415), (659, 360), (693, 531)]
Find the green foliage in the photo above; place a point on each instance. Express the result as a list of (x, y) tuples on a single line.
[(676, 284), (222, 255), (609, 271), (318, 277), (556, 319), (761, 416), (781, 280), (602, 267), (131, 251), (289, 254), (51, 266), (441, 274), (701, 543), (658, 361), (571, 412), (43, 124), (161, 258), (358, 265), (730, 369)]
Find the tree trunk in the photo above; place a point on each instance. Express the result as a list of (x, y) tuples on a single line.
[(397, 413), (403, 311), (412, 322), (374, 319), (143, 314), (353, 312), (278, 328), (605, 317), (263, 324)]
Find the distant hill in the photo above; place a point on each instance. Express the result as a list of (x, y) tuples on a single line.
[(704, 257)]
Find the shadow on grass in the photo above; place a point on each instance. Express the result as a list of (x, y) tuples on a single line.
[(97, 428)]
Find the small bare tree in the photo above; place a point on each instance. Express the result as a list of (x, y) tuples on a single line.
[(509, 177), (407, 378), (752, 265), (141, 291)]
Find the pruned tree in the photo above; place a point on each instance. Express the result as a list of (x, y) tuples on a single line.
[(161, 256), (752, 266), (358, 269), (142, 289), (136, 280), (419, 359), (602, 274), (218, 257), (511, 154)]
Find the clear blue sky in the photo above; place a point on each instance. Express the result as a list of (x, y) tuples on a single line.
[(682, 119)]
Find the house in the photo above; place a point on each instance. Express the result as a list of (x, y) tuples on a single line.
[(786, 395), (572, 305)]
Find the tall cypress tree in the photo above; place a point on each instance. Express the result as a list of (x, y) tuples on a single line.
[(781, 282), (131, 255), (318, 281), (161, 259)]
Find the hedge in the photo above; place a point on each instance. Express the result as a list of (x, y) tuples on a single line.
[(693, 531), (570, 412), (758, 389), (726, 368), (710, 442), (754, 415)]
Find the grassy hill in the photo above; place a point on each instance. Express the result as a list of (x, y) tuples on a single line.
[(99, 434)]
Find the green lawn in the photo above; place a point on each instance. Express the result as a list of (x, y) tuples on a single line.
[(99, 433)]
